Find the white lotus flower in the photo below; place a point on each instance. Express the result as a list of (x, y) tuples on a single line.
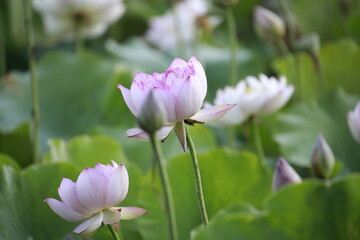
[(89, 18), (253, 96), (164, 30)]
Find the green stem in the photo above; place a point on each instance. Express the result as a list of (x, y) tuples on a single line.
[(233, 45), (257, 139), (79, 42), (2, 45), (298, 75), (164, 179), (282, 46), (113, 233), (35, 112), (199, 190)]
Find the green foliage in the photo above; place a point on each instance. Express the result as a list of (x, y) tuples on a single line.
[(310, 210), (338, 67), (6, 160), (229, 177), (297, 130)]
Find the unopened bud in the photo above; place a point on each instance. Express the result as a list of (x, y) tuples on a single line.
[(284, 175), (322, 158), (267, 24), (152, 114)]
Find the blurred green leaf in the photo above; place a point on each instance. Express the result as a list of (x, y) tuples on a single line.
[(311, 210), (17, 145), (297, 130), (229, 177), (6, 160), (72, 90), (302, 71)]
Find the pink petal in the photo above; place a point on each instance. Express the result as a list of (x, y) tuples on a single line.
[(128, 213), (64, 211), (111, 216), (91, 190), (128, 100), (90, 225), (118, 186), (189, 100), (140, 134), (68, 195), (139, 94), (212, 113), (178, 63), (168, 102), (200, 73)]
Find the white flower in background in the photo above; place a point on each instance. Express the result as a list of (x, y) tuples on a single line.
[(268, 24), (253, 96), (353, 118), (88, 18), (181, 21)]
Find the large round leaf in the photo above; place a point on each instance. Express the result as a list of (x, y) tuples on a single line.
[(297, 130)]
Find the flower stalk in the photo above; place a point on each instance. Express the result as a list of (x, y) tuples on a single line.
[(233, 42), (257, 139), (113, 233), (199, 189), (164, 179), (35, 112)]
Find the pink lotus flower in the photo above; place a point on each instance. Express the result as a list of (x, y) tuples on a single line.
[(181, 90), (353, 118), (91, 199)]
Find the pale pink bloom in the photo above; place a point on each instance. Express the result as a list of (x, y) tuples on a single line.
[(181, 90), (353, 119), (88, 18), (284, 175), (91, 199)]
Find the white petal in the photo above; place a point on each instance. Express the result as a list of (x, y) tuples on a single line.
[(128, 100), (189, 99), (64, 210), (140, 134), (111, 216), (212, 113), (91, 190), (90, 225), (128, 213), (118, 186), (68, 195)]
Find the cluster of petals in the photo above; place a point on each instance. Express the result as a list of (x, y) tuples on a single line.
[(181, 90), (91, 199), (353, 118), (180, 22), (87, 18), (253, 96)]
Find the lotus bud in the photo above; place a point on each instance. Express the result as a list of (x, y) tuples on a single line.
[(268, 25), (353, 118), (152, 114), (322, 158), (284, 175)]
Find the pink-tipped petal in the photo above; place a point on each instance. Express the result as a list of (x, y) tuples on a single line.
[(64, 211), (167, 99), (111, 216), (118, 186), (90, 189), (90, 225), (68, 195), (212, 113), (200, 73), (178, 63), (140, 134), (189, 99), (128, 213), (128, 100)]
